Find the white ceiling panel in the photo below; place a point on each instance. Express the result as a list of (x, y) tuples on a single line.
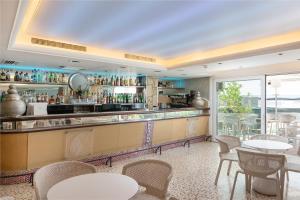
[(164, 28)]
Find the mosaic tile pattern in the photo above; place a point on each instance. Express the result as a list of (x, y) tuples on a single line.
[(194, 172)]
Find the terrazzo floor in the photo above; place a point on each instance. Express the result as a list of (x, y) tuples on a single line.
[(194, 172)]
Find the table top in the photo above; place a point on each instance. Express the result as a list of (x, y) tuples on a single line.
[(268, 145), (97, 186)]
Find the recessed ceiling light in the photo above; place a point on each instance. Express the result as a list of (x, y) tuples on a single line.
[(280, 54), (157, 71), (220, 63)]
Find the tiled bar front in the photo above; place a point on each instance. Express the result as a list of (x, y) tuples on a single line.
[(95, 138)]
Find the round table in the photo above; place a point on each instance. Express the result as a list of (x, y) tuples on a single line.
[(268, 145), (97, 186), (260, 185)]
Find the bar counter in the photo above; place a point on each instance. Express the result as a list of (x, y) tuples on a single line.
[(29, 142)]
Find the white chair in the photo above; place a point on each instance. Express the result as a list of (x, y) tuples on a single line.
[(154, 175), (285, 120), (261, 165), (227, 143), (293, 163), (49, 175)]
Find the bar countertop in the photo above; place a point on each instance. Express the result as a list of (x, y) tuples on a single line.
[(27, 124), (95, 114)]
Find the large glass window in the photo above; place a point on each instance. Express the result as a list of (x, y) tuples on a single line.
[(239, 107), (283, 105)]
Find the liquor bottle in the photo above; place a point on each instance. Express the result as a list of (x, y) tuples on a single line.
[(112, 80), (46, 77), (46, 98), (7, 76), (39, 76), (57, 99), (51, 100), (118, 81), (17, 77), (21, 76), (55, 78), (121, 81), (26, 77), (65, 78), (130, 81), (102, 80), (38, 97), (3, 76), (95, 80)]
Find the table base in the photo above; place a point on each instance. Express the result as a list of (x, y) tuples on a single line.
[(264, 186)]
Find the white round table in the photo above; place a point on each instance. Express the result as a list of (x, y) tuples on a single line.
[(97, 186), (260, 185), (268, 145)]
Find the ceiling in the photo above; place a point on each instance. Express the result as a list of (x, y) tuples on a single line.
[(162, 29)]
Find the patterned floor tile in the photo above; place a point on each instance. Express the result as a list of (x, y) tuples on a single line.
[(194, 172)]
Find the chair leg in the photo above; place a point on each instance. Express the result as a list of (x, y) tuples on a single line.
[(247, 182), (229, 167), (282, 181), (234, 183), (250, 183), (278, 190), (218, 173)]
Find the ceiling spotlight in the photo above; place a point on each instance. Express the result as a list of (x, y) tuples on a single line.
[(280, 54)]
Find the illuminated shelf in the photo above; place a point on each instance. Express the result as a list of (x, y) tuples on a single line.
[(19, 83), (118, 86)]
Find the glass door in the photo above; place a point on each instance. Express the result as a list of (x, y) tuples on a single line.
[(239, 109), (283, 105)]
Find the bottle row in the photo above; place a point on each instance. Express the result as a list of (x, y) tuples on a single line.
[(35, 76), (100, 98), (115, 80), (38, 76)]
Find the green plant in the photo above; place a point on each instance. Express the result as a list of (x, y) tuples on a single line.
[(231, 100)]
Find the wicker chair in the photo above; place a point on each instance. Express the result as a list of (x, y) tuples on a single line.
[(49, 175), (270, 137), (227, 143), (293, 163), (154, 175), (261, 165)]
